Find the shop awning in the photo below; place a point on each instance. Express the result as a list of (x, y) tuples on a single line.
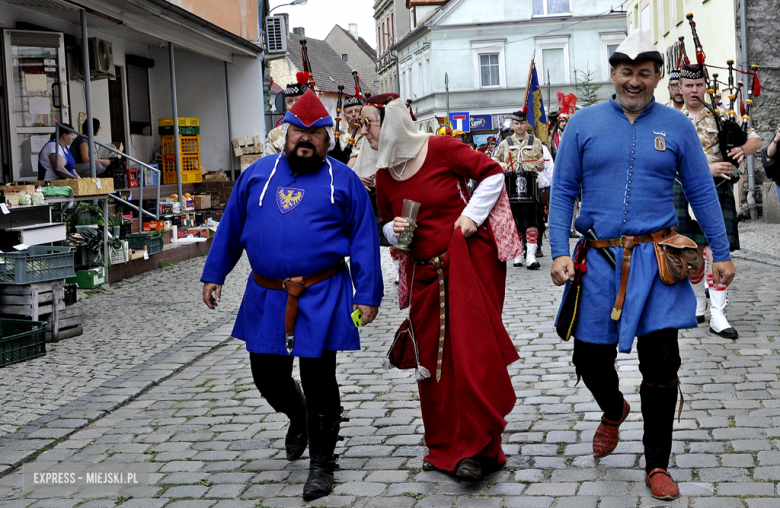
[(148, 22)]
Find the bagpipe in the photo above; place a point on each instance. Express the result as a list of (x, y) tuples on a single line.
[(730, 133)]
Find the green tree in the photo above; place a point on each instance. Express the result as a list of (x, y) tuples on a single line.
[(587, 92)]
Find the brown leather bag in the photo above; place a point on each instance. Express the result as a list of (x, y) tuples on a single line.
[(678, 256)]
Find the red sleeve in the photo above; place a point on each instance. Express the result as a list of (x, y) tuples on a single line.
[(385, 210), (465, 161)]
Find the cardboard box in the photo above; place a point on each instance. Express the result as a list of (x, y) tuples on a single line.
[(198, 232), (216, 176), (29, 189), (137, 253), (202, 202), (154, 225), (87, 186)]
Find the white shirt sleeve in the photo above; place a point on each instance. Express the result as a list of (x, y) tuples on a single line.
[(387, 229), (484, 198), (545, 177)]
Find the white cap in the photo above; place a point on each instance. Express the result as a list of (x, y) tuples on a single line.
[(635, 48)]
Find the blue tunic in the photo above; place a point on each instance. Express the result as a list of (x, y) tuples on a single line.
[(297, 231), (627, 174)]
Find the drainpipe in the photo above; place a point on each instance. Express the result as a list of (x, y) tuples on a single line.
[(87, 91), (176, 146), (230, 127), (751, 197)]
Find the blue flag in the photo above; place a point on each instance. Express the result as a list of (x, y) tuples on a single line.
[(534, 107)]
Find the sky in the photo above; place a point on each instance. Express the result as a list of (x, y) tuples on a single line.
[(319, 17)]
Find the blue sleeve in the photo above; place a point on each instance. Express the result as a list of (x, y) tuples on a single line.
[(226, 248), (699, 188), (363, 237), (567, 178)]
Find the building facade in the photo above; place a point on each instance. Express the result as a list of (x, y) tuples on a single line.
[(43, 83), (356, 53), (486, 55), (393, 22)]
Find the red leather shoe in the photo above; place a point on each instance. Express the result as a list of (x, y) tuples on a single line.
[(606, 438), (661, 484)]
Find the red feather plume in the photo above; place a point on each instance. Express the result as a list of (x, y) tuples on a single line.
[(302, 78)]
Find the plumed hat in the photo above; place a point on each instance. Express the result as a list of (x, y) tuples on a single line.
[(296, 89), (519, 116), (674, 75), (309, 113), (636, 48), (491, 138), (693, 71), (566, 105), (352, 101)]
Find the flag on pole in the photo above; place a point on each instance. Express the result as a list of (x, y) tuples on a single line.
[(534, 106)]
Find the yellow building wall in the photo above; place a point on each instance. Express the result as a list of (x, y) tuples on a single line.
[(715, 23), (236, 16)]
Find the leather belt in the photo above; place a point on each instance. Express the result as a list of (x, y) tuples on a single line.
[(294, 287), (628, 242), (438, 263)]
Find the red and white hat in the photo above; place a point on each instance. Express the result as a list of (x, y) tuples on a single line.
[(309, 113)]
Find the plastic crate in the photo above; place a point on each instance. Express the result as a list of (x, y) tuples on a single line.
[(89, 279), (21, 340), (153, 244), (184, 131), (187, 144), (186, 177), (183, 122), (188, 163), (36, 264), (117, 256)]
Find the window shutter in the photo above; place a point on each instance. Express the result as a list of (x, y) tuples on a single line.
[(138, 99)]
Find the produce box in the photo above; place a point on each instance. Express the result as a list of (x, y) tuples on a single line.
[(89, 279), (154, 225), (197, 232), (21, 340), (202, 202), (138, 254), (87, 186)]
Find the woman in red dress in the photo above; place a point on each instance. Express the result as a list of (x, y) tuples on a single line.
[(457, 291)]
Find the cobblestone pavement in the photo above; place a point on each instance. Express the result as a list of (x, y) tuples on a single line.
[(125, 324), (211, 441), (759, 242)]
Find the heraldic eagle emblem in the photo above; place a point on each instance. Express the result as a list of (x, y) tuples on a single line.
[(288, 198)]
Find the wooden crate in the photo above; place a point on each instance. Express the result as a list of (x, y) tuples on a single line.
[(32, 300), (69, 323)]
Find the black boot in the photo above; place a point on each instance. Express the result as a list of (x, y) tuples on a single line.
[(297, 437), (659, 403), (323, 435)]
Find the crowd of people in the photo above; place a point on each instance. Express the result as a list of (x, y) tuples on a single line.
[(649, 178)]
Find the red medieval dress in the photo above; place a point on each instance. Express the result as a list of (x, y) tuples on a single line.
[(464, 412)]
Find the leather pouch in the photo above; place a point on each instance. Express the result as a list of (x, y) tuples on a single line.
[(678, 257)]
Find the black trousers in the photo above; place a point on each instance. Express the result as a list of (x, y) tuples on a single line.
[(659, 362), (273, 377)]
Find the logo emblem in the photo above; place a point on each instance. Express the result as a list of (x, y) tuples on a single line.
[(287, 198), (660, 144)]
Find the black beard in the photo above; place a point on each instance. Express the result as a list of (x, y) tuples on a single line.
[(302, 165)]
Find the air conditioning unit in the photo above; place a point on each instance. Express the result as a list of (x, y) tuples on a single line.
[(275, 34), (101, 58)]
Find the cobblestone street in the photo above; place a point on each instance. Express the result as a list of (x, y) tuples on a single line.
[(161, 382)]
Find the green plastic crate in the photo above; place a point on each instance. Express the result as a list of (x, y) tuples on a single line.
[(21, 340), (154, 244), (36, 264), (184, 131), (89, 279)]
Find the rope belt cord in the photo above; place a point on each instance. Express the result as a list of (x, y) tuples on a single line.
[(294, 287), (438, 263)]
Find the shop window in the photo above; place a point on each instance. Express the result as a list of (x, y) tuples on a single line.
[(139, 106)]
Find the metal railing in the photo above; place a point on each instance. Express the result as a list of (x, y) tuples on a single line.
[(141, 179)]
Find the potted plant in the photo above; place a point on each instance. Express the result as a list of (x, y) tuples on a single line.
[(91, 243)]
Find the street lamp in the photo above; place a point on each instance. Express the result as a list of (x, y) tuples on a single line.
[(294, 2)]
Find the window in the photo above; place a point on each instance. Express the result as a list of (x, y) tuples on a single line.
[(489, 64), (609, 43), (138, 103), (379, 40), (551, 7), (678, 11), (488, 70), (644, 24), (345, 57), (660, 8), (392, 26), (552, 56)]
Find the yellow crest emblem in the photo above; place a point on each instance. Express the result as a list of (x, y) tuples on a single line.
[(287, 198)]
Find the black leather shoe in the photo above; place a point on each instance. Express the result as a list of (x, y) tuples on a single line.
[(728, 333), (469, 470), (700, 319), (323, 435), (297, 436)]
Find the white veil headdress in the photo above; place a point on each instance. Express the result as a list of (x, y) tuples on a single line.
[(399, 141)]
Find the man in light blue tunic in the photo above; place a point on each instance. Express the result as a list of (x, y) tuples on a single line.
[(625, 154), (297, 215)]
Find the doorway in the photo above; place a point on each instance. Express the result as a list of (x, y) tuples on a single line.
[(116, 104)]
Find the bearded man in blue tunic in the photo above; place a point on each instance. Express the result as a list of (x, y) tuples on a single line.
[(298, 215), (624, 155)]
